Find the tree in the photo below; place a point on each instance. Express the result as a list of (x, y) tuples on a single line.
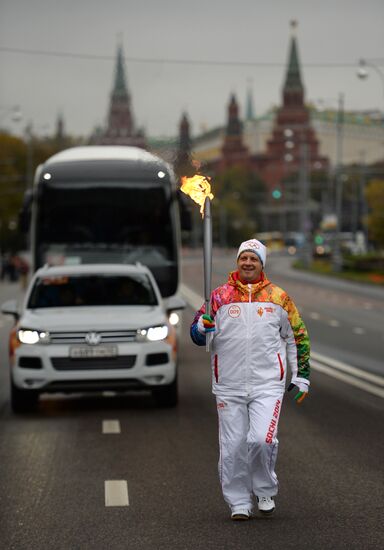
[(15, 153), (375, 218), (12, 185), (239, 194)]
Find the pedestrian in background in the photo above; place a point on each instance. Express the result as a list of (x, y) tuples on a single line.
[(257, 331)]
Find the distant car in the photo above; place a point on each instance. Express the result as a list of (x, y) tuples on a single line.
[(92, 328)]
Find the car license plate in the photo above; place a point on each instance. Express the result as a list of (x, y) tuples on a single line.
[(85, 352)]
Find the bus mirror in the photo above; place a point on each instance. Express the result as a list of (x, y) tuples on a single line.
[(10, 308), (24, 220), (175, 303)]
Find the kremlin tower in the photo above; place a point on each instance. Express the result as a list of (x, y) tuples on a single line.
[(120, 126)]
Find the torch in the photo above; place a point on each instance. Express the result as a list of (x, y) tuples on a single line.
[(199, 189), (207, 246)]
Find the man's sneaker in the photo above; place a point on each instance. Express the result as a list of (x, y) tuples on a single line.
[(240, 515), (266, 505)]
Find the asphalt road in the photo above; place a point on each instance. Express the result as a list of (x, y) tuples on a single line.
[(54, 464)]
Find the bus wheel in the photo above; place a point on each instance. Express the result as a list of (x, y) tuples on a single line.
[(166, 396), (23, 401)]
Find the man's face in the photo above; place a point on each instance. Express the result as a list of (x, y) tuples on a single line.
[(249, 266)]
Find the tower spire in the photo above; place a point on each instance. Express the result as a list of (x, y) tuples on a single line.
[(234, 126), (249, 113), (120, 124), (234, 151), (183, 162), (293, 76), (120, 86)]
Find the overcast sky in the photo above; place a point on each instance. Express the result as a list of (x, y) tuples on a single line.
[(248, 31)]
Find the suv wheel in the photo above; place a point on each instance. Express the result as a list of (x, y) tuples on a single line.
[(166, 396), (23, 401)]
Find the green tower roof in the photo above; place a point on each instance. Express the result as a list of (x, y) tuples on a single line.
[(293, 78), (120, 87)]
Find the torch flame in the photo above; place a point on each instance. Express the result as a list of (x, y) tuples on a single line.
[(198, 188)]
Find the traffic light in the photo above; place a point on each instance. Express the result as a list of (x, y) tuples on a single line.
[(276, 194)]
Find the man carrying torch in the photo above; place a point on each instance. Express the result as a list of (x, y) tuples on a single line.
[(257, 331)]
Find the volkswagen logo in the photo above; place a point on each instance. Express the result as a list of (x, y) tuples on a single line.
[(93, 338)]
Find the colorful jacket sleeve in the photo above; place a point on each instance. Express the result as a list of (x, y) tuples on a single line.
[(298, 346)]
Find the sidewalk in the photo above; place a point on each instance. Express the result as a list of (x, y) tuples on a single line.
[(10, 291), (327, 281)]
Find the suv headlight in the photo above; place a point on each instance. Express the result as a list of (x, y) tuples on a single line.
[(152, 334), (28, 336)]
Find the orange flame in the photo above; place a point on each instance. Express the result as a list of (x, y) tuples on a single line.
[(198, 188)]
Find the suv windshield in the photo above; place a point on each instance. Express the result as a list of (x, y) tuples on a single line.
[(92, 290)]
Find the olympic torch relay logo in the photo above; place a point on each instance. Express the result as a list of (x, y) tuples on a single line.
[(234, 311)]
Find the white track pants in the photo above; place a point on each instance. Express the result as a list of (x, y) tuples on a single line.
[(248, 447)]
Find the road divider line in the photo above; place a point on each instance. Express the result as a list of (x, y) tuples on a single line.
[(354, 376), (116, 492), (348, 379), (354, 371), (111, 427), (193, 298), (314, 315)]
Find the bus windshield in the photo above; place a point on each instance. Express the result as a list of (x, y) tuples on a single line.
[(122, 215), (108, 223)]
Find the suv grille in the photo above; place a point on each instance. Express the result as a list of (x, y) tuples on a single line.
[(106, 336), (94, 363)]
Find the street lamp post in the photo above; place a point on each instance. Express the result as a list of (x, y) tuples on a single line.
[(363, 73), (336, 256), (14, 112), (305, 222)]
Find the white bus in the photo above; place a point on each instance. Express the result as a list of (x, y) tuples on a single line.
[(106, 204)]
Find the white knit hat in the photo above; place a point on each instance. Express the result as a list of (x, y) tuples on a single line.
[(255, 246)]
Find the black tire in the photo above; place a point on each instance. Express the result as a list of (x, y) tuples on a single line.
[(23, 401), (166, 396)]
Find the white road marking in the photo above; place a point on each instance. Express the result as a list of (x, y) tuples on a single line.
[(111, 427), (192, 297), (116, 492), (370, 388), (358, 330), (339, 365), (334, 323), (336, 369), (314, 315), (366, 381)]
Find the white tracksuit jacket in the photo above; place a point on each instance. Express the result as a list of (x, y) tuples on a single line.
[(258, 332)]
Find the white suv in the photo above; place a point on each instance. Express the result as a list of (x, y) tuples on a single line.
[(92, 328)]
